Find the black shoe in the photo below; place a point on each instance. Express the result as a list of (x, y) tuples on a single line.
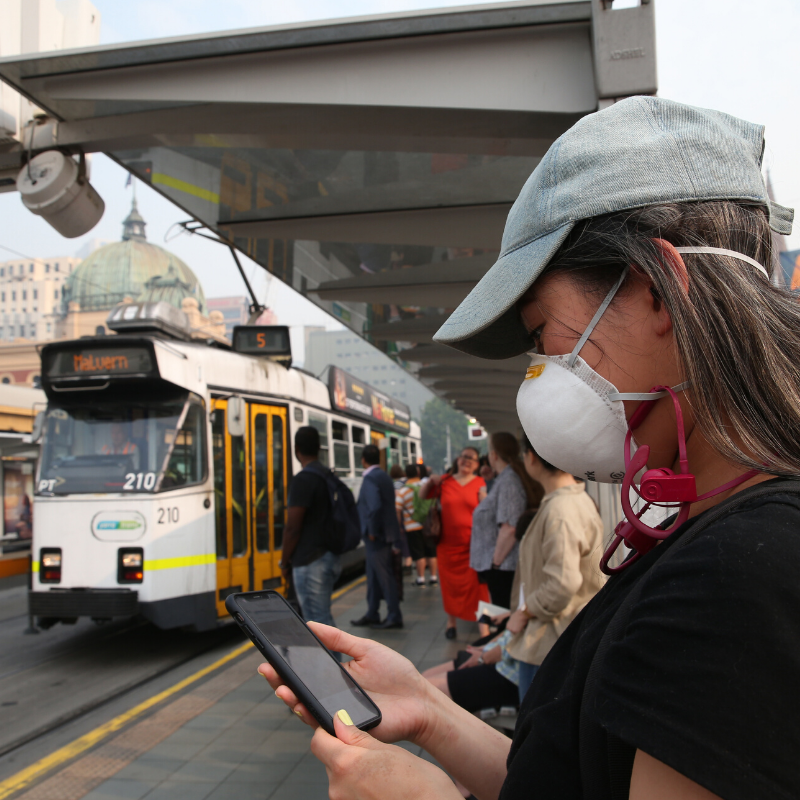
[(364, 622), (450, 633), (386, 625)]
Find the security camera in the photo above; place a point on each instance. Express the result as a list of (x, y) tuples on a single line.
[(53, 186)]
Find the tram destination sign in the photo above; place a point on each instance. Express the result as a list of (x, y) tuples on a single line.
[(356, 397), (88, 362), (263, 340)]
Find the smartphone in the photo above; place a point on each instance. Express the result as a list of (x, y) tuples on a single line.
[(306, 666)]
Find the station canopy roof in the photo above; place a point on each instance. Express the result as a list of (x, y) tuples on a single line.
[(369, 163)]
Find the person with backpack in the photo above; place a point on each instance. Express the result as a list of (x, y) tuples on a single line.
[(639, 268), (413, 513), (310, 529), (381, 533)]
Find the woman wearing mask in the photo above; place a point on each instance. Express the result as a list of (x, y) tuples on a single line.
[(636, 265), (493, 549), (458, 495)]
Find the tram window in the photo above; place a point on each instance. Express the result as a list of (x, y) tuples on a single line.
[(238, 495), (321, 424), (109, 447), (261, 502), (187, 461), (278, 480), (412, 446), (404, 450), (220, 510), (341, 458), (339, 431), (359, 440)]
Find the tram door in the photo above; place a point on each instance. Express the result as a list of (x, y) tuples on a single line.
[(268, 487), (230, 507)]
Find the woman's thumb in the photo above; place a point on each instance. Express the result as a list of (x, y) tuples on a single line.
[(347, 732)]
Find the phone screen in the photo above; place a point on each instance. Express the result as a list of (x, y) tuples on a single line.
[(307, 658)]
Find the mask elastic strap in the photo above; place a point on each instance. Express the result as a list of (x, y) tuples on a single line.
[(723, 252), (612, 396), (596, 318)]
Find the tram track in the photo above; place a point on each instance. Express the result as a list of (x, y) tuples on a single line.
[(58, 681), (51, 663)]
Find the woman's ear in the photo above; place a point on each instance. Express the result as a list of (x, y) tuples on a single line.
[(672, 259)]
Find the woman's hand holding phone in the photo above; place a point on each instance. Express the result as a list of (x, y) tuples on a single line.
[(360, 767), (405, 698)]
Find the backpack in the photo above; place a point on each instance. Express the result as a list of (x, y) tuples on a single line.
[(421, 507), (344, 532)]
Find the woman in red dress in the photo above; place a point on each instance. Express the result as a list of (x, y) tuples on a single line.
[(461, 589)]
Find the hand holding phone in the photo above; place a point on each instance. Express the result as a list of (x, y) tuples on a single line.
[(405, 698), (303, 663)]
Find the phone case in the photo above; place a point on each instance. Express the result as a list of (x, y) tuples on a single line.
[(300, 690)]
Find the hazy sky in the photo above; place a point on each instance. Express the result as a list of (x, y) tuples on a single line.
[(738, 56)]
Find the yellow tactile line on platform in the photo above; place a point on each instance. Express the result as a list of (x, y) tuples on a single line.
[(30, 774)]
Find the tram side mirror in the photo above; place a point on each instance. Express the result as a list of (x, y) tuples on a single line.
[(38, 427), (235, 416)]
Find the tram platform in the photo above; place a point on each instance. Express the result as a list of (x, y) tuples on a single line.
[(224, 736)]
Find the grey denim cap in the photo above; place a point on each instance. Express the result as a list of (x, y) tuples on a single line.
[(639, 152)]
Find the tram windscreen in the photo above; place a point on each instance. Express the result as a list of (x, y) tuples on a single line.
[(126, 448)]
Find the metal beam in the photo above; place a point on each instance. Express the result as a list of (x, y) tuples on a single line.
[(461, 226), (443, 284), (320, 127)]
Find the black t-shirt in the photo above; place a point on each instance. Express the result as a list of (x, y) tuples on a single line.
[(309, 490), (706, 677)]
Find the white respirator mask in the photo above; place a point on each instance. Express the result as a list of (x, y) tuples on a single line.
[(575, 418)]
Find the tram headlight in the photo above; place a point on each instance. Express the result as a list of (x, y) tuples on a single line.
[(50, 565), (130, 565)]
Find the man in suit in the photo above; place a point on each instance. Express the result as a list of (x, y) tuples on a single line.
[(381, 532)]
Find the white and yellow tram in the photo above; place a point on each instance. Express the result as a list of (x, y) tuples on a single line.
[(164, 467)]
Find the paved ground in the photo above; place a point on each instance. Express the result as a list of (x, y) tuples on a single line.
[(228, 736), (58, 674)]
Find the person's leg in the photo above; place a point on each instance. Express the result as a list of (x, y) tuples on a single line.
[(382, 565), (373, 584), (421, 570), (317, 579), (299, 583), (526, 675), (451, 622), (499, 583), (438, 669), (433, 566), (439, 680)]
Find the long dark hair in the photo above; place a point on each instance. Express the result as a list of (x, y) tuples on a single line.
[(737, 334), (506, 446)]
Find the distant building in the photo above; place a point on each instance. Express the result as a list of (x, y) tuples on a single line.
[(132, 270), (350, 352), (234, 310), (30, 296), (65, 298)]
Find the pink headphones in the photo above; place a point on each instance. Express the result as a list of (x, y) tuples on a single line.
[(658, 487)]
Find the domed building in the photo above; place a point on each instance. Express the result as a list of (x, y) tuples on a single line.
[(128, 269)]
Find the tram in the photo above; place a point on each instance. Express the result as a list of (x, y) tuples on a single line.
[(165, 462)]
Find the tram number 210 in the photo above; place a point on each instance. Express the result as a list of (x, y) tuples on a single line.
[(136, 481), (166, 515)]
